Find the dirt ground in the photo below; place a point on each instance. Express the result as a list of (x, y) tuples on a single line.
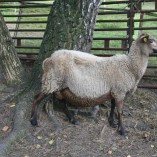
[(89, 139)]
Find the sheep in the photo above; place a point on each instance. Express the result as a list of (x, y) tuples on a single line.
[(84, 79)]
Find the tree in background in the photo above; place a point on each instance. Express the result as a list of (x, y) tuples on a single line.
[(70, 26)]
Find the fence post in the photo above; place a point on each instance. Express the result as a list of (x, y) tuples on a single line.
[(18, 42), (139, 6), (107, 43), (130, 23), (124, 44)]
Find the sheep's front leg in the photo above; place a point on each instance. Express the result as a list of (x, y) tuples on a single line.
[(111, 116), (120, 124)]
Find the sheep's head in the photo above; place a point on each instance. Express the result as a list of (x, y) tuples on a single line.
[(147, 44)]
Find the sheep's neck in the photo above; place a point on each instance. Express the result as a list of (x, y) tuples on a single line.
[(138, 61)]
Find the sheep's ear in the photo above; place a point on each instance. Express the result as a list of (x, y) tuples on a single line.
[(144, 38)]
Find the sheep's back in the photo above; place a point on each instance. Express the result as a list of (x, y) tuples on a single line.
[(87, 75), (96, 78)]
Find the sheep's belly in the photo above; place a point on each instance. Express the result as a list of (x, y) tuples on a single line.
[(83, 102), (88, 87)]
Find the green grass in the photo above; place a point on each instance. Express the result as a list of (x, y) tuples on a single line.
[(96, 44), (116, 44), (35, 43)]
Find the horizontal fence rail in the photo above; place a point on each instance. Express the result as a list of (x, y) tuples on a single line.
[(27, 15), (21, 26)]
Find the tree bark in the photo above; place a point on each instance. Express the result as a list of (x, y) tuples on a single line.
[(70, 26), (11, 70)]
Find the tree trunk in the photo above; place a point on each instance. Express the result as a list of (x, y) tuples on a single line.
[(10, 67), (11, 73), (70, 26)]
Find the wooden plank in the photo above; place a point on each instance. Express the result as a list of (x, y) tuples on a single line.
[(26, 22), (103, 21), (106, 43), (27, 6), (112, 12), (27, 47), (124, 44), (114, 2), (146, 11), (20, 0), (122, 2), (111, 49), (19, 42), (146, 28), (27, 58), (27, 53), (112, 38), (28, 38), (27, 15), (145, 20), (116, 49), (26, 30), (110, 29)]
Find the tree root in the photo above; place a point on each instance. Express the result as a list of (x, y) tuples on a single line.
[(10, 140), (11, 95), (21, 124), (56, 124)]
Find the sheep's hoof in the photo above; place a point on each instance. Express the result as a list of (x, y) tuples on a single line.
[(34, 122), (75, 122), (96, 120), (122, 132), (112, 123)]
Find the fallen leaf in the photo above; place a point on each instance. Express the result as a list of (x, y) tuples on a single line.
[(51, 142), (145, 135), (13, 105), (152, 146), (52, 134), (5, 129), (38, 146), (39, 137), (109, 152)]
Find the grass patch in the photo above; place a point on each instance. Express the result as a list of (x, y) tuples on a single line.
[(102, 34)]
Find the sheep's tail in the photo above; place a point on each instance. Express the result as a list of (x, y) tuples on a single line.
[(46, 63)]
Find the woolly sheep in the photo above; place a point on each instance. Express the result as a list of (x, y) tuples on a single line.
[(83, 79)]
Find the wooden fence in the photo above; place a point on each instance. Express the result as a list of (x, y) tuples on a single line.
[(27, 26)]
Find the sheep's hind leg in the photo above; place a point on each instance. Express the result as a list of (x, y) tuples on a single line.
[(94, 111), (111, 116), (37, 99), (69, 114)]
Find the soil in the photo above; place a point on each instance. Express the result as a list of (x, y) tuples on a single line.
[(88, 139)]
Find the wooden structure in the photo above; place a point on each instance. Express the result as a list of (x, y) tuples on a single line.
[(27, 26)]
